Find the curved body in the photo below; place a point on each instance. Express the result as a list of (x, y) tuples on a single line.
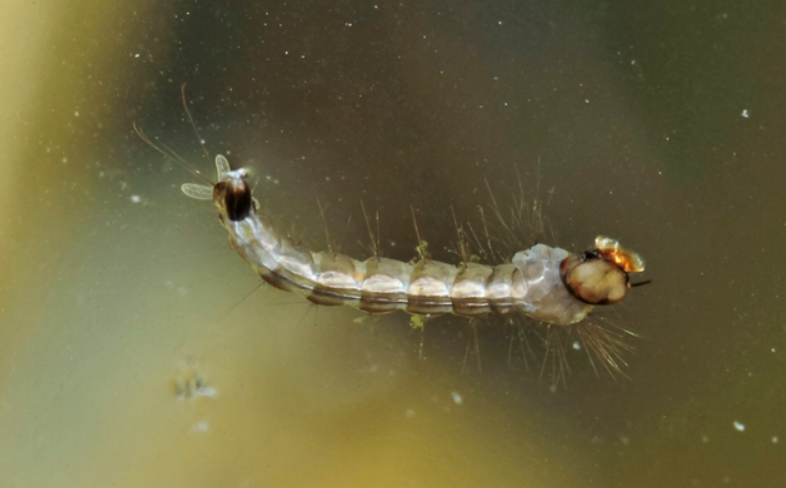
[(545, 283), (530, 285)]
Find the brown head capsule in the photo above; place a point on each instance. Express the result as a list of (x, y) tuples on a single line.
[(600, 276), (233, 196)]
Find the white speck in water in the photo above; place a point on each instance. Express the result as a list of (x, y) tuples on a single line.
[(206, 391), (774, 439), (202, 427), (136, 55), (64, 160), (586, 100), (76, 114), (745, 113), (136, 199), (739, 426), (705, 439), (457, 399), (576, 346)]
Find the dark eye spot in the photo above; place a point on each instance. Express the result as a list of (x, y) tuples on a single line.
[(238, 201)]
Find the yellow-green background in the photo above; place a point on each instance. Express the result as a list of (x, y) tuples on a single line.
[(659, 123)]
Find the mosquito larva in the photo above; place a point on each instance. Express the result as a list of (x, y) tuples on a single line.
[(546, 283)]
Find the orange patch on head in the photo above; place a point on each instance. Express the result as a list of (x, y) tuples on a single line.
[(627, 260)]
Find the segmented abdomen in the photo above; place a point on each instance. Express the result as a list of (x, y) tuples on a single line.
[(531, 284)]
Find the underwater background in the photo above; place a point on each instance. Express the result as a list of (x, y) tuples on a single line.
[(137, 349)]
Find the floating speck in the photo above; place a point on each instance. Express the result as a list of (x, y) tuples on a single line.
[(206, 391), (745, 113), (576, 346), (457, 399), (774, 439), (739, 426), (136, 199)]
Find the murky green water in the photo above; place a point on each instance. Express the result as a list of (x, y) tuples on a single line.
[(135, 349)]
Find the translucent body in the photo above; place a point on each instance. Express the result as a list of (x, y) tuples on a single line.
[(533, 284), (530, 285)]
